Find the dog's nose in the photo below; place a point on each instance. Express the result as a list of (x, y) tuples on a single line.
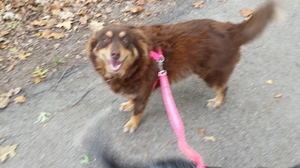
[(115, 55)]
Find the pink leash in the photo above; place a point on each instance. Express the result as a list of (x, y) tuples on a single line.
[(172, 112)]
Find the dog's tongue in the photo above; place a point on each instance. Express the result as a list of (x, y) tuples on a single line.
[(115, 65)]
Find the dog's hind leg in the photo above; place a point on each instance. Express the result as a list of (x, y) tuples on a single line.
[(219, 99), (218, 81)]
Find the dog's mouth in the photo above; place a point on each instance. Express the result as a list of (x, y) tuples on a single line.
[(115, 65)]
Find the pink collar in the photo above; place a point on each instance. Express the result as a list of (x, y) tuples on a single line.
[(156, 55)]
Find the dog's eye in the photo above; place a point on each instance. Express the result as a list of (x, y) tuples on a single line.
[(125, 40), (105, 39)]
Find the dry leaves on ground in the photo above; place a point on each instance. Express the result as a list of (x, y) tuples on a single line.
[(22, 55), (269, 82), (137, 10), (278, 95), (20, 99), (48, 34), (67, 24), (201, 130), (209, 138), (140, 2), (10, 68), (39, 74), (247, 13), (7, 151), (5, 97), (95, 25), (83, 19), (198, 4)]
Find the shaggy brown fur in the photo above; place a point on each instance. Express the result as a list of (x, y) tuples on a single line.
[(211, 49)]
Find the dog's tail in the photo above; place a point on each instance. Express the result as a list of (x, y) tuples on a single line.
[(248, 30)]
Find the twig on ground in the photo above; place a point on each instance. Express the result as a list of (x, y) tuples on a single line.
[(82, 97)]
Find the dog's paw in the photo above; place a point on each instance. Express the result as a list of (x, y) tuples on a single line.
[(127, 106), (213, 103), (130, 126)]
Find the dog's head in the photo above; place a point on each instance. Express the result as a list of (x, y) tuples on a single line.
[(114, 49)]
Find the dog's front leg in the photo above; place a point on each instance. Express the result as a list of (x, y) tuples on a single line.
[(140, 103)]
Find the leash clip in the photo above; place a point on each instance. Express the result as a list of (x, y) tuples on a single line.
[(160, 65), (159, 58), (160, 62)]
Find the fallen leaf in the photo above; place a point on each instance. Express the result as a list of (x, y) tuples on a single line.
[(10, 68), (40, 22), (278, 95), (150, 1), (198, 4), (246, 12), (44, 116), (66, 15), (8, 94), (18, 17), (12, 59), (108, 10), (16, 90), (269, 82), (2, 5), (8, 16), (55, 7), (209, 138), (67, 24), (20, 99), (37, 79), (55, 12), (46, 34), (82, 12), (38, 34), (85, 160), (1, 59), (4, 101), (201, 130), (23, 56), (51, 22), (57, 36), (13, 50), (83, 19), (3, 46), (95, 25), (140, 2), (147, 13), (126, 9), (3, 33), (7, 151), (14, 4), (136, 10)]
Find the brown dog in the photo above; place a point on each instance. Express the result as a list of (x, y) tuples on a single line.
[(211, 49)]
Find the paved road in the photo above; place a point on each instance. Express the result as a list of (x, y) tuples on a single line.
[(251, 129)]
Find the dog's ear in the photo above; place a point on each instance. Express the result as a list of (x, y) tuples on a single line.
[(91, 45), (143, 43)]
